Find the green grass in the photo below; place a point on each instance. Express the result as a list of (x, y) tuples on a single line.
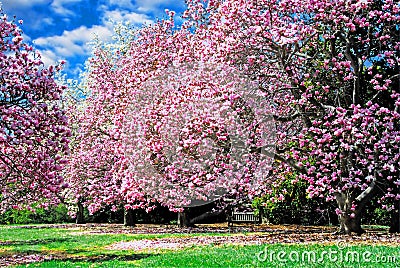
[(68, 241), (75, 249), (294, 256)]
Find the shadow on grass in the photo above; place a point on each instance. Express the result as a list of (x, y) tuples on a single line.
[(104, 257), (74, 256), (34, 241)]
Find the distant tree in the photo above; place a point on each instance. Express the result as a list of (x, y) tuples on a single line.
[(33, 127), (96, 155)]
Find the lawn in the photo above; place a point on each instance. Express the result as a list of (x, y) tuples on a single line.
[(169, 246)]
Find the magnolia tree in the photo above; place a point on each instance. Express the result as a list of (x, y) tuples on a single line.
[(332, 71), (33, 126), (190, 123), (95, 158), (164, 123), (188, 138)]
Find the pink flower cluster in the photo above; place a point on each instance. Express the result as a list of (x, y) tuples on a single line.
[(34, 129)]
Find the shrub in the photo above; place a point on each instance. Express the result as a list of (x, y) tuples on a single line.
[(56, 214), (288, 203)]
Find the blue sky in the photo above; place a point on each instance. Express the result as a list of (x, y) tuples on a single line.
[(61, 29)]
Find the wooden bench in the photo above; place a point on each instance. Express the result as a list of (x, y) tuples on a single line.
[(241, 217)]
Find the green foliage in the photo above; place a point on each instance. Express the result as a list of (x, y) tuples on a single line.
[(56, 214), (380, 217), (59, 214), (374, 214), (294, 206), (297, 208), (16, 216)]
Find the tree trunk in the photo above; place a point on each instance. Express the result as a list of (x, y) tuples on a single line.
[(350, 225), (350, 217), (79, 215), (395, 219), (184, 219), (129, 217), (350, 220)]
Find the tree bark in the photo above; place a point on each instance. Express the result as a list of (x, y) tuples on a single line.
[(129, 217), (184, 219), (395, 219), (80, 219), (350, 220), (350, 225)]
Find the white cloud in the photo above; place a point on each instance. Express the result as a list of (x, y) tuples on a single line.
[(49, 57), (76, 70), (122, 3), (59, 7), (32, 11), (48, 21), (126, 16), (150, 5), (73, 43), (23, 3), (27, 38), (147, 6)]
